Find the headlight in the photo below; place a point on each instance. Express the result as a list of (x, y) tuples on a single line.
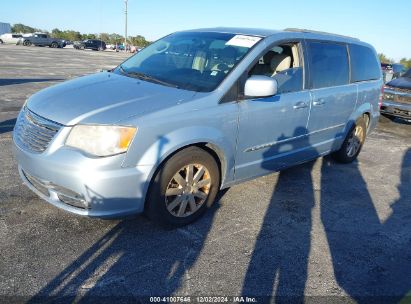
[(388, 96), (101, 140)]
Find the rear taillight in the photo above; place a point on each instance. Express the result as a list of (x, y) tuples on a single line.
[(381, 95)]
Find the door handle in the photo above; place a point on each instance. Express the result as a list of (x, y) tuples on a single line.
[(319, 102), (300, 105)]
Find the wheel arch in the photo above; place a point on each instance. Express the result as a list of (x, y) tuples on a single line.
[(365, 111), (211, 148)]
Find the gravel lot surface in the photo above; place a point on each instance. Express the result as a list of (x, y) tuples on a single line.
[(319, 230)]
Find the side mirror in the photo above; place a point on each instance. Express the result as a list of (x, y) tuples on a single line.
[(260, 86)]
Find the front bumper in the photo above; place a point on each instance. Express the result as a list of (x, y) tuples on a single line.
[(96, 187), (397, 109)]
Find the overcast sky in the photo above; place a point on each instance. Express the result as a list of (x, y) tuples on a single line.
[(380, 23)]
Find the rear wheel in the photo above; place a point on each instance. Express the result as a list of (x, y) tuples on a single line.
[(1, 41), (54, 45), (26, 43), (183, 188), (353, 143)]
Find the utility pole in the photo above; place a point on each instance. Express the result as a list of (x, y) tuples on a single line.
[(125, 35)]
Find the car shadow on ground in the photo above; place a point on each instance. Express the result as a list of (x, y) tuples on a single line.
[(278, 265), (396, 120), (371, 259), (136, 258), (7, 125), (12, 81)]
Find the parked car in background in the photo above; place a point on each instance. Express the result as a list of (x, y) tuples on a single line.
[(41, 39), (93, 44), (195, 112), (9, 38), (397, 97), (392, 70), (67, 42)]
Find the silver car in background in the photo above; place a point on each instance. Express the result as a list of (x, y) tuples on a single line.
[(193, 113)]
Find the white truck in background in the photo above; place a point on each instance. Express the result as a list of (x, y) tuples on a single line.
[(10, 38)]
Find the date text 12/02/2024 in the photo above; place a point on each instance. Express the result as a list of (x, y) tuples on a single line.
[(203, 299)]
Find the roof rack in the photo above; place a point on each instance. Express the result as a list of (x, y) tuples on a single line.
[(316, 32)]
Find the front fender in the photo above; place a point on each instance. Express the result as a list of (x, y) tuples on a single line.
[(165, 145)]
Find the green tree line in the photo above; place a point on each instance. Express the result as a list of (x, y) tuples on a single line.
[(21, 28), (75, 35)]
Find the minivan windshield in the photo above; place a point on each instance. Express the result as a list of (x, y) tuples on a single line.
[(195, 61)]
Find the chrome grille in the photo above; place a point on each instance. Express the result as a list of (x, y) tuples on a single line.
[(33, 132), (399, 94), (408, 91), (403, 98)]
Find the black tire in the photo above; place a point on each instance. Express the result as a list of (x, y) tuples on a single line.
[(54, 45), (386, 118), (1, 41), (156, 204), (343, 155), (26, 43)]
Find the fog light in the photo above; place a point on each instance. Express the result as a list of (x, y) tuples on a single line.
[(76, 201)]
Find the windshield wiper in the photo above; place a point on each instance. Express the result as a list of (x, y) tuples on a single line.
[(122, 70), (148, 78)]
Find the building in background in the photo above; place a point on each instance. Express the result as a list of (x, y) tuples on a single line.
[(5, 28)]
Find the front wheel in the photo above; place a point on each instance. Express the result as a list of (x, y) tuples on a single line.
[(183, 188), (353, 143)]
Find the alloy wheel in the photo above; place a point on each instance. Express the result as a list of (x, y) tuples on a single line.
[(355, 141), (188, 190)]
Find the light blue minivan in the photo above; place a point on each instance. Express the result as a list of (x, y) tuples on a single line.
[(195, 112)]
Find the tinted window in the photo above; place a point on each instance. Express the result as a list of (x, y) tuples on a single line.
[(328, 64), (364, 64)]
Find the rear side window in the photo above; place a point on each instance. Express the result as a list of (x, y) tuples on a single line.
[(328, 64), (364, 64)]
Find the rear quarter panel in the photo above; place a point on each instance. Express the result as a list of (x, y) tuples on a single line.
[(367, 102)]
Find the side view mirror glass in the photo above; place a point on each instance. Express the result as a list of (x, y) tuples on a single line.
[(260, 86)]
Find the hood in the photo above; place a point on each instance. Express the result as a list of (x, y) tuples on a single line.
[(401, 82), (103, 98)]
